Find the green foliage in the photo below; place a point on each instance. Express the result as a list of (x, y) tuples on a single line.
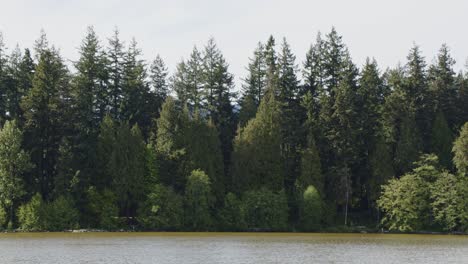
[(103, 209), (381, 167), (198, 202), (311, 169), (30, 215), (162, 210), (441, 140), (3, 217), (406, 201), (449, 198), (460, 151), (265, 210), (169, 145), (232, 217), (106, 142), (45, 114), (14, 162), (254, 166), (311, 209), (60, 215)]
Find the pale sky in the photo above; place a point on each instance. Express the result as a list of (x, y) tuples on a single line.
[(385, 30)]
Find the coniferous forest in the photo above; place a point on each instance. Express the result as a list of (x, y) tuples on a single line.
[(112, 142)]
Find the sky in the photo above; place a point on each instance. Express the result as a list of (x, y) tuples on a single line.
[(385, 30)]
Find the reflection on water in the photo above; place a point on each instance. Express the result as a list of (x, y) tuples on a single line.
[(172, 248)]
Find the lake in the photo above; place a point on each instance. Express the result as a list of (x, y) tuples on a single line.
[(246, 248)]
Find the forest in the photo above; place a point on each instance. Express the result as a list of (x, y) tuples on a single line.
[(113, 142)]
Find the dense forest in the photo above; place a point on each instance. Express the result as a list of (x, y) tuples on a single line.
[(113, 142)]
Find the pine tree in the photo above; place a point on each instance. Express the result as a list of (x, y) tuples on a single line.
[(441, 78), (159, 82), (115, 64), (3, 80), (45, 114), (105, 143), (217, 86), (398, 124), (136, 102), (127, 167), (441, 140), (171, 152), (257, 149), (271, 60), (313, 68), (89, 97), (418, 95), (204, 151), (293, 116), (194, 81), (462, 98), (254, 85)]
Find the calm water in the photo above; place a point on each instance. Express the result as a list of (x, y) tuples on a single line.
[(172, 248)]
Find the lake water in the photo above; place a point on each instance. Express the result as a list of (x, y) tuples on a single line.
[(246, 248)]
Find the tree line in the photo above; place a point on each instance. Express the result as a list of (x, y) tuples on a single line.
[(119, 143)]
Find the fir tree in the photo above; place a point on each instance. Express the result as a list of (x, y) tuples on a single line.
[(44, 112)]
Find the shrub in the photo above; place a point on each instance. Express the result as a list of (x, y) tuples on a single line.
[(162, 210), (311, 209), (3, 217), (265, 209), (232, 215), (30, 215), (198, 201), (60, 215), (103, 206)]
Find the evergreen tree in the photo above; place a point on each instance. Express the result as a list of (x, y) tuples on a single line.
[(127, 167), (107, 137), (418, 94), (44, 111), (171, 154), (254, 85), (159, 82), (441, 140), (462, 98), (313, 68), (89, 97), (3, 80), (257, 149), (115, 67), (293, 114), (137, 98), (217, 85), (441, 78)]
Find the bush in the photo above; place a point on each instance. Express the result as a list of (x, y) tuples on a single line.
[(103, 206), (162, 210), (232, 216), (311, 209), (30, 215), (60, 215), (3, 217), (198, 201), (265, 209)]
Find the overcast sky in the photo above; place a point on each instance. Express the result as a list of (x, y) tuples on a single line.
[(385, 30)]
